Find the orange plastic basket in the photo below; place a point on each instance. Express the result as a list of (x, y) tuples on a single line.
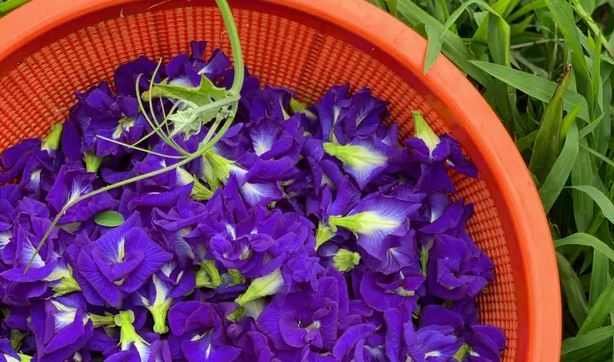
[(51, 48)]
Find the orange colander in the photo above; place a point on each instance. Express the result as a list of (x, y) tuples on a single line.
[(51, 48)]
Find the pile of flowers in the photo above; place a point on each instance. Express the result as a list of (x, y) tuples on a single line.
[(302, 234)]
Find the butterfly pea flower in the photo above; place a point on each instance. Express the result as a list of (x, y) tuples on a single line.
[(484, 343), (176, 226), (126, 75), (133, 347), (373, 219), (61, 279), (364, 159), (158, 295), (69, 185), (457, 268), (328, 110), (61, 327), (202, 332), (361, 116), (346, 343), (381, 291), (7, 352), (303, 319), (254, 346), (274, 138), (431, 343), (118, 263)]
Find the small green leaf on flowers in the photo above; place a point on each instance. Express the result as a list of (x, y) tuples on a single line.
[(346, 260), (24, 357), (208, 276), (236, 315), (202, 95), (424, 258), (260, 287), (52, 141), (109, 219), (92, 162), (323, 234)]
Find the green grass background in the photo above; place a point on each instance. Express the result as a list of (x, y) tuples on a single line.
[(545, 66)]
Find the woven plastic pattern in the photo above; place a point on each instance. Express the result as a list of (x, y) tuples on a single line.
[(305, 57)]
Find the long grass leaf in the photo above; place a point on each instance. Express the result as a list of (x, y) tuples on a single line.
[(563, 15), (534, 86), (556, 179), (584, 239), (604, 203), (453, 45), (586, 340), (572, 290), (582, 173), (546, 146)]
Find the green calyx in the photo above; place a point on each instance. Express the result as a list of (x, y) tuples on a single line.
[(355, 156), (208, 276), (216, 169), (425, 132), (462, 352), (424, 258), (127, 334), (124, 124), (235, 277), (261, 287), (16, 339), (92, 162), (364, 222), (346, 260), (323, 234), (106, 320), (200, 192), (65, 286), (160, 306), (52, 141)]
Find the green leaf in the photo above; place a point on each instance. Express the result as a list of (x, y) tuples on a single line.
[(10, 5), (582, 174), (604, 203), (563, 15), (392, 7), (584, 239), (546, 146), (187, 119), (534, 86), (202, 95), (528, 8), (586, 340), (453, 45), (109, 219), (599, 311), (572, 290), (556, 179), (527, 141)]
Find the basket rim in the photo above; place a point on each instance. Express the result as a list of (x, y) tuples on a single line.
[(519, 200)]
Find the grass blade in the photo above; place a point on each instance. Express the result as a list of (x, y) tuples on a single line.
[(563, 15), (582, 174), (555, 181), (590, 338), (546, 146), (534, 86), (572, 289), (584, 239), (453, 45), (604, 203)]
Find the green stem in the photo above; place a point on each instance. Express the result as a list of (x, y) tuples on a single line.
[(235, 43), (138, 148), (235, 91)]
